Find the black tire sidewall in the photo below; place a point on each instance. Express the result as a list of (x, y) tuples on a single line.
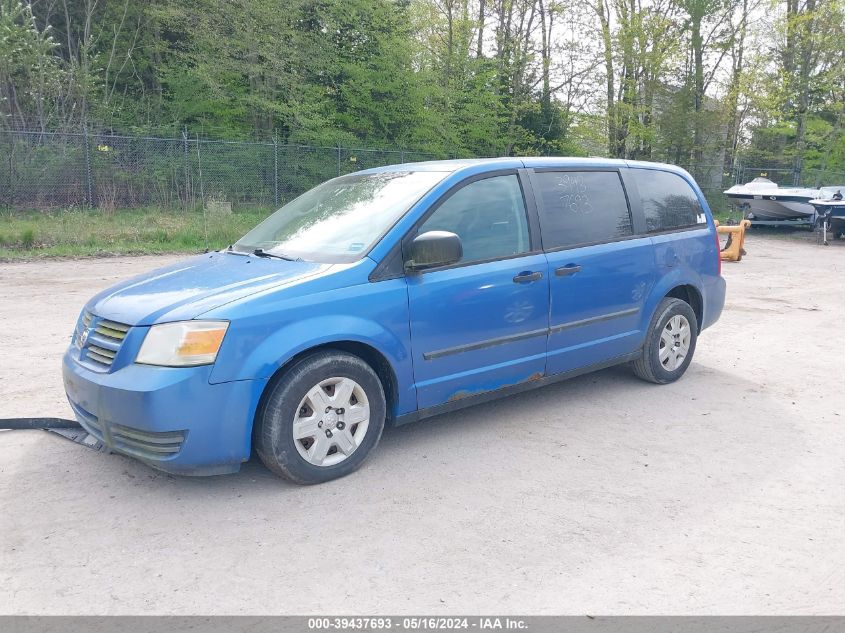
[(665, 311), (274, 441)]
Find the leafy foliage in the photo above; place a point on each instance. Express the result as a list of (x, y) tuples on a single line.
[(703, 83)]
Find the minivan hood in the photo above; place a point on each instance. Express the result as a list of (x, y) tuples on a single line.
[(188, 288)]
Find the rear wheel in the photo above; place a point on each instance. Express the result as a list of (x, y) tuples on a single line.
[(321, 418), (670, 343)]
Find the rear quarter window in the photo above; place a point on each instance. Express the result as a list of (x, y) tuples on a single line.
[(668, 201), (582, 207)]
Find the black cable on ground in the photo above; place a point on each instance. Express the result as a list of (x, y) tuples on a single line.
[(37, 423)]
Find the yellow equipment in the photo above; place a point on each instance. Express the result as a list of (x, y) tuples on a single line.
[(735, 247)]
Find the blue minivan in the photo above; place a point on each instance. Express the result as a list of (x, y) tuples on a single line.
[(391, 295)]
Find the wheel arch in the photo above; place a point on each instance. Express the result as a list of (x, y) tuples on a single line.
[(377, 361), (692, 296), (679, 283)]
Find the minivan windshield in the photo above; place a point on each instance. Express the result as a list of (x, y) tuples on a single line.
[(341, 219)]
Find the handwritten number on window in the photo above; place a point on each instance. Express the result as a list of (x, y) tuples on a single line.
[(573, 194)]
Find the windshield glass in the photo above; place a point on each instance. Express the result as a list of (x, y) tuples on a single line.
[(341, 219)]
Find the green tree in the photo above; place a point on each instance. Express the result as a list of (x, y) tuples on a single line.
[(31, 77)]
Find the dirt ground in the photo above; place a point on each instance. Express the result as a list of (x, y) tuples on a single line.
[(722, 493)]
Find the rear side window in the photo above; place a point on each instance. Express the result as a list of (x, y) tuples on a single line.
[(668, 200), (489, 217), (582, 207)]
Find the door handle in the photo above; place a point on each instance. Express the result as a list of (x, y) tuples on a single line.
[(569, 269), (527, 276)]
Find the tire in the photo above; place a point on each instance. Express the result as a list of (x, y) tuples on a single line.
[(656, 365), (310, 400)]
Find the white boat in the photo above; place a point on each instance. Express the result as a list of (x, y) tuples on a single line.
[(763, 199), (830, 193), (830, 207)]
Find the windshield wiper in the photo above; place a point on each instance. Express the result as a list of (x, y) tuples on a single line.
[(260, 252)]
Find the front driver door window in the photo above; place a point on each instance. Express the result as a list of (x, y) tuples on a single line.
[(489, 217), (481, 323)]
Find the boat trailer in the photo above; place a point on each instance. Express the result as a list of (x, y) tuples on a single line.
[(819, 222)]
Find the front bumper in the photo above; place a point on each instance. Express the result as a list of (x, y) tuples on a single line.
[(172, 419)]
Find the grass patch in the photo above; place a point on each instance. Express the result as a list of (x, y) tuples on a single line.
[(28, 238), (93, 233), (146, 231)]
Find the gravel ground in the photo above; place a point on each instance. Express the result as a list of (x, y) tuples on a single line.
[(722, 493)]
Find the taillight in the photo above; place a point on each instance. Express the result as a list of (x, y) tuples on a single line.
[(718, 253)]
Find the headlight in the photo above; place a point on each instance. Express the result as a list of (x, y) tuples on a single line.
[(182, 344)]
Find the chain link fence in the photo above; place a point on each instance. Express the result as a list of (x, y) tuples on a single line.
[(60, 170), (787, 176), (45, 170)]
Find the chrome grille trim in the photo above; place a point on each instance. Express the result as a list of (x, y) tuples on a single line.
[(83, 324), (102, 351), (95, 340), (100, 354), (104, 340), (111, 329)]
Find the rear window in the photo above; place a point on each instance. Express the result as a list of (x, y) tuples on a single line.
[(582, 207), (668, 200)]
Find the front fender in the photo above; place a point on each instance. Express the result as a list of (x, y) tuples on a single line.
[(256, 346)]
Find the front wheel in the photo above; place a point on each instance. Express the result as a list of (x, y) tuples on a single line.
[(669, 344), (321, 418)]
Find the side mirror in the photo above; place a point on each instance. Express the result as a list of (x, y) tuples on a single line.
[(432, 249)]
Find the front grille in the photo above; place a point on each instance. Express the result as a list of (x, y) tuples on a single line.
[(112, 330), (83, 324), (103, 342), (100, 355)]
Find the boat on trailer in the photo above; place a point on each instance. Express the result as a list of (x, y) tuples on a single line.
[(764, 201), (830, 209)]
